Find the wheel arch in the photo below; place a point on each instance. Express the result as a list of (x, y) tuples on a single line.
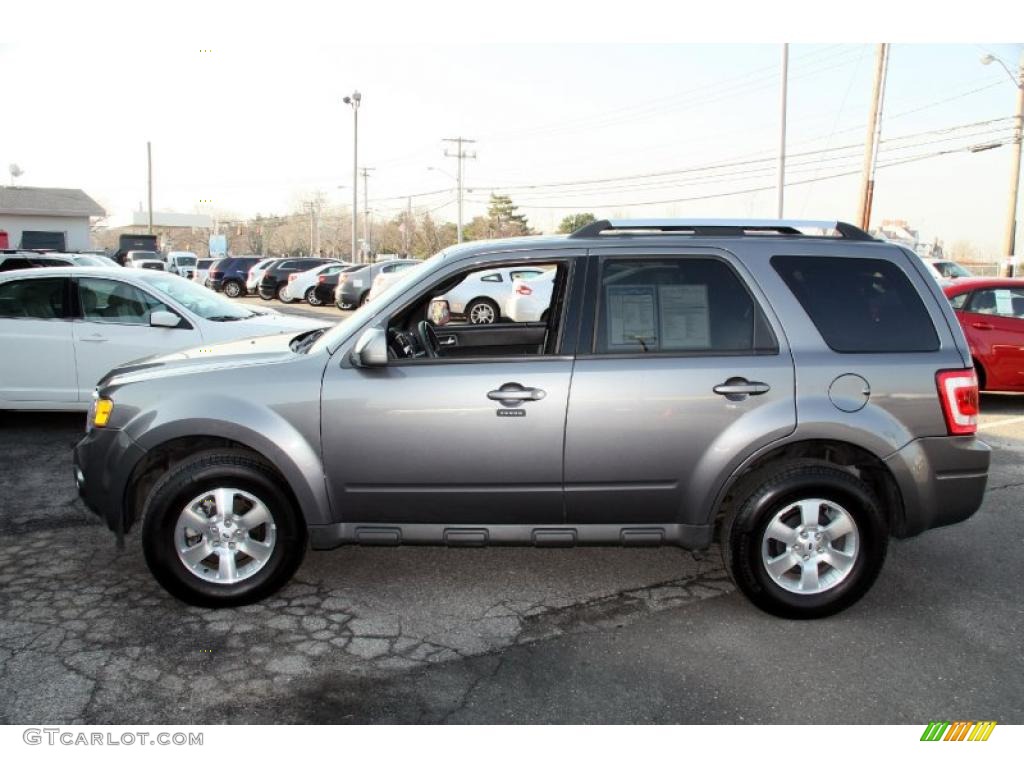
[(281, 447), (856, 460)]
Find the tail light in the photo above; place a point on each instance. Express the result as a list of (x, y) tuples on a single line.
[(524, 290), (216, 275), (342, 279), (292, 276), (958, 391), (250, 274), (322, 279)]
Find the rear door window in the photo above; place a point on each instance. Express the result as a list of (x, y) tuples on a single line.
[(1004, 302), (39, 299), (678, 305), (859, 305)]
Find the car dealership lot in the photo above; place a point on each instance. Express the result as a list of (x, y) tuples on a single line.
[(427, 634), (495, 635)]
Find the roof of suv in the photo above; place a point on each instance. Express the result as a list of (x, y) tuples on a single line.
[(669, 231)]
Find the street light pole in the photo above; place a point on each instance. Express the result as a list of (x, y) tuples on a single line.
[(366, 212), (871, 141), (354, 101)]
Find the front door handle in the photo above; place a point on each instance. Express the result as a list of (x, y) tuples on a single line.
[(447, 341), (982, 326), (94, 339), (515, 393), (738, 388)]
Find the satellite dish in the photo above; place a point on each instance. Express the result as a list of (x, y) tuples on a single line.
[(15, 171)]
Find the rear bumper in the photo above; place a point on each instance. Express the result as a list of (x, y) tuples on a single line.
[(103, 462), (942, 480)]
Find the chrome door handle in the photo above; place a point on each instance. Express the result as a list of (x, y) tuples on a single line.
[(448, 341), (95, 339), (740, 386), (515, 393)]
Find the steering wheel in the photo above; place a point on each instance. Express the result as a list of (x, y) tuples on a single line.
[(428, 338)]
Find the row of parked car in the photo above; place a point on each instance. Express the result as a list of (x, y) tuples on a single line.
[(518, 294)]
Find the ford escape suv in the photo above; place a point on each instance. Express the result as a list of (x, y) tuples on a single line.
[(798, 390)]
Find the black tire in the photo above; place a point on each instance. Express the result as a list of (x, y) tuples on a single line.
[(205, 471), (765, 493), (233, 289), (363, 298), (280, 294), (480, 303), (266, 296), (311, 298)]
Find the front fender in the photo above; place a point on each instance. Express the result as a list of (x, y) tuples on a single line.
[(287, 435)]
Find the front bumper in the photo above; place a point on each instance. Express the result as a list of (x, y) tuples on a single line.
[(103, 463), (942, 480)]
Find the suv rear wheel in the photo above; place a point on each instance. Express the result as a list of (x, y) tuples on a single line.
[(233, 289), (220, 531), (806, 539), (282, 294)]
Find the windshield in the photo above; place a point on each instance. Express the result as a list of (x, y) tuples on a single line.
[(408, 277), (185, 261), (952, 269), (194, 297)]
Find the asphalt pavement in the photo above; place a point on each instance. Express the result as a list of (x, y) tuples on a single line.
[(368, 635)]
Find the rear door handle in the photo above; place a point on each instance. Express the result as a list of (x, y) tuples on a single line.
[(447, 341), (95, 338), (738, 386), (982, 326), (515, 393)]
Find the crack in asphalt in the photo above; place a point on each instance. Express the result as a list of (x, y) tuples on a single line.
[(86, 635)]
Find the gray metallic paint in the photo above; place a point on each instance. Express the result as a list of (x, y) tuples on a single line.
[(676, 446)]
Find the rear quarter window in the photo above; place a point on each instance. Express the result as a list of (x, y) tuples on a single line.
[(859, 305)]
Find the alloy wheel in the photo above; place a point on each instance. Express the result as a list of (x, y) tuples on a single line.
[(810, 546)]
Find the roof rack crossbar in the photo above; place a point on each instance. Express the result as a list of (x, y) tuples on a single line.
[(719, 227)]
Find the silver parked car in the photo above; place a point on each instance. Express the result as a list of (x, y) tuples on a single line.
[(797, 390)]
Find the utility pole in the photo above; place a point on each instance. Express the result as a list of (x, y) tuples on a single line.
[(782, 134), (1010, 238), (149, 183), (461, 155), (407, 230), (871, 141), (354, 101), (366, 213)]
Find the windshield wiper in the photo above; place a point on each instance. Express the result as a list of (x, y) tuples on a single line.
[(226, 318)]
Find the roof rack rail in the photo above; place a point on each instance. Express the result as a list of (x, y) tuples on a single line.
[(720, 227)]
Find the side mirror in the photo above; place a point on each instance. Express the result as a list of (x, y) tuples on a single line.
[(439, 313), (162, 319), (371, 351)]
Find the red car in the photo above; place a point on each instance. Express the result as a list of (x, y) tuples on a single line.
[(991, 312)]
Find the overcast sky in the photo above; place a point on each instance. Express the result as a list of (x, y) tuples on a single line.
[(259, 130)]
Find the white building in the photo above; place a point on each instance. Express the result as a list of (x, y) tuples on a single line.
[(40, 217)]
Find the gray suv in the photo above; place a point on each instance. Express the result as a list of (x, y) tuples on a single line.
[(797, 390)]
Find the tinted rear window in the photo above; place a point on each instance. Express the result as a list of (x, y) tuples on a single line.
[(859, 305)]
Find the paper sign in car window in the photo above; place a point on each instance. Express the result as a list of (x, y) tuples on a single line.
[(632, 318), (684, 316), (1004, 302)]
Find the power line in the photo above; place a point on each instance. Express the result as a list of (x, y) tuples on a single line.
[(751, 190)]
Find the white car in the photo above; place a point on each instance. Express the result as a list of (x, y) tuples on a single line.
[(301, 286), (63, 328), (202, 270), (182, 263), (530, 297), (386, 278), (481, 297), (145, 260), (255, 274), (943, 269)]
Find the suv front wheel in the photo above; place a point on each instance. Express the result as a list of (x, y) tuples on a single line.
[(220, 531), (805, 540)]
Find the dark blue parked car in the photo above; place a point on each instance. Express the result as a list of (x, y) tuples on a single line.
[(229, 275)]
